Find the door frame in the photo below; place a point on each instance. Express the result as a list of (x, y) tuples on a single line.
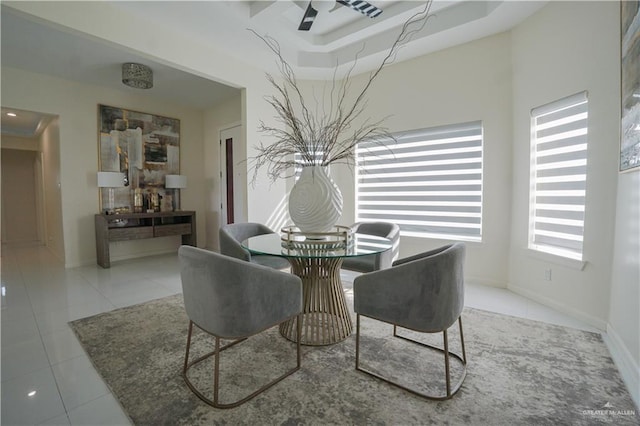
[(223, 173)]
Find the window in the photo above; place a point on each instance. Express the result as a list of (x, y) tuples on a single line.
[(558, 176), (429, 182)]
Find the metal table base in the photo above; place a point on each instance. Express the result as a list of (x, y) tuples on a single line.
[(326, 318)]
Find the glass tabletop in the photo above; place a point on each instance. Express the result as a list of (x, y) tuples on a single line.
[(272, 244)]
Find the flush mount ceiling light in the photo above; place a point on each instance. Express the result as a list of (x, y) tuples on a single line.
[(137, 75)]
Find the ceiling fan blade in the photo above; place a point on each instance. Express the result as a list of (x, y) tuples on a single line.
[(307, 19), (362, 6)]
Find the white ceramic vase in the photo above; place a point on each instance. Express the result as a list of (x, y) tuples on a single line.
[(315, 201)]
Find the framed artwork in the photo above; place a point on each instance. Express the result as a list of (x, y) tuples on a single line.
[(630, 85), (145, 148)]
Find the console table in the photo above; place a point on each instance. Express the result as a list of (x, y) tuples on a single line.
[(136, 226)]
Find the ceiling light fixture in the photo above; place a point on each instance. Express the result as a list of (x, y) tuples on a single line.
[(11, 114), (138, 76)]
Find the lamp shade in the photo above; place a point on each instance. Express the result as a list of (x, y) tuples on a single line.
[(110, 179), (175, 181)]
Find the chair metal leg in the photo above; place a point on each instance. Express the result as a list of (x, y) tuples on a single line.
[(358, 341), (216, 372), (464, 353), (446, 362), (450, 392), (216, 369), (186, 355)]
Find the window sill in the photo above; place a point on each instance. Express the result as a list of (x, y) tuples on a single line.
[(558, 260)]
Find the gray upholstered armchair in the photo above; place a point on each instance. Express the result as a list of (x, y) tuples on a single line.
[(232, 299), (423, 293), (377, 261), (233, 234)]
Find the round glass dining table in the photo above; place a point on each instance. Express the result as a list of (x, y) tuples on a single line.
[(325, 318)]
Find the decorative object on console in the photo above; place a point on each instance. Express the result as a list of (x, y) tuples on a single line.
[(110, 180), (138, 200), (145, 147), (138, 76), (175, 182), (324, 136)]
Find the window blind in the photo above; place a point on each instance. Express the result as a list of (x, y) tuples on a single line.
[(559, 176), (429, 182)]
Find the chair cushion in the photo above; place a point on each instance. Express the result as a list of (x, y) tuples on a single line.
[(270, 261), (360, 263), (231, 298), (423, 293)]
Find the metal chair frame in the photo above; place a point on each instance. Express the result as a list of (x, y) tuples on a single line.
[(447, 354), (216, 371)]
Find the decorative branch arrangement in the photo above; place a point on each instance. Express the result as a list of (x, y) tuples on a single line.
[(324, 137)]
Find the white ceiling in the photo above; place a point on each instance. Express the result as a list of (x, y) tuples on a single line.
[(334, 40)]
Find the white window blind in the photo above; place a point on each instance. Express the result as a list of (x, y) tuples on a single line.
[(429, 182), (558, 176)]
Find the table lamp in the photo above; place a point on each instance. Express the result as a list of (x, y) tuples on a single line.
[(110, 180), (175, 182)]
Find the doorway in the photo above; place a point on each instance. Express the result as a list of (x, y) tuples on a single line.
[(21, 217), (233, 176)]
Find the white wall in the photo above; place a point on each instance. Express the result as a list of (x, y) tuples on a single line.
[(465, 83), (555, 54), (624, 310), (49, 145), (227, 114), (17, 142)]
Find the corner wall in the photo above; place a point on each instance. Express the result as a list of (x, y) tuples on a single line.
[(50, 148), (565, 48), (624, 310), (464, 83)]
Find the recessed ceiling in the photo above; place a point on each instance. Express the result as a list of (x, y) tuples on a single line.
[(334, 41)]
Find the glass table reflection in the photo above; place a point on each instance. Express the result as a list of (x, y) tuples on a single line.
[(326, 319)]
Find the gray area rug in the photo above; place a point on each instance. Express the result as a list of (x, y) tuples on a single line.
[(520, 372)]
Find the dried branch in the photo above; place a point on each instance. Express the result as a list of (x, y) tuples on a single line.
[(331, 133)]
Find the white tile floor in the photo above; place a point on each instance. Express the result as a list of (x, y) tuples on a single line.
[(47, 378)]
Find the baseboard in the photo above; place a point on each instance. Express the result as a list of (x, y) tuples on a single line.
[(146, 253), (93, 261), (627, 366), (483, 281), (560, 307), (57, 255)]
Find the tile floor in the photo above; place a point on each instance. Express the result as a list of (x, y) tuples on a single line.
[(46, 377)]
